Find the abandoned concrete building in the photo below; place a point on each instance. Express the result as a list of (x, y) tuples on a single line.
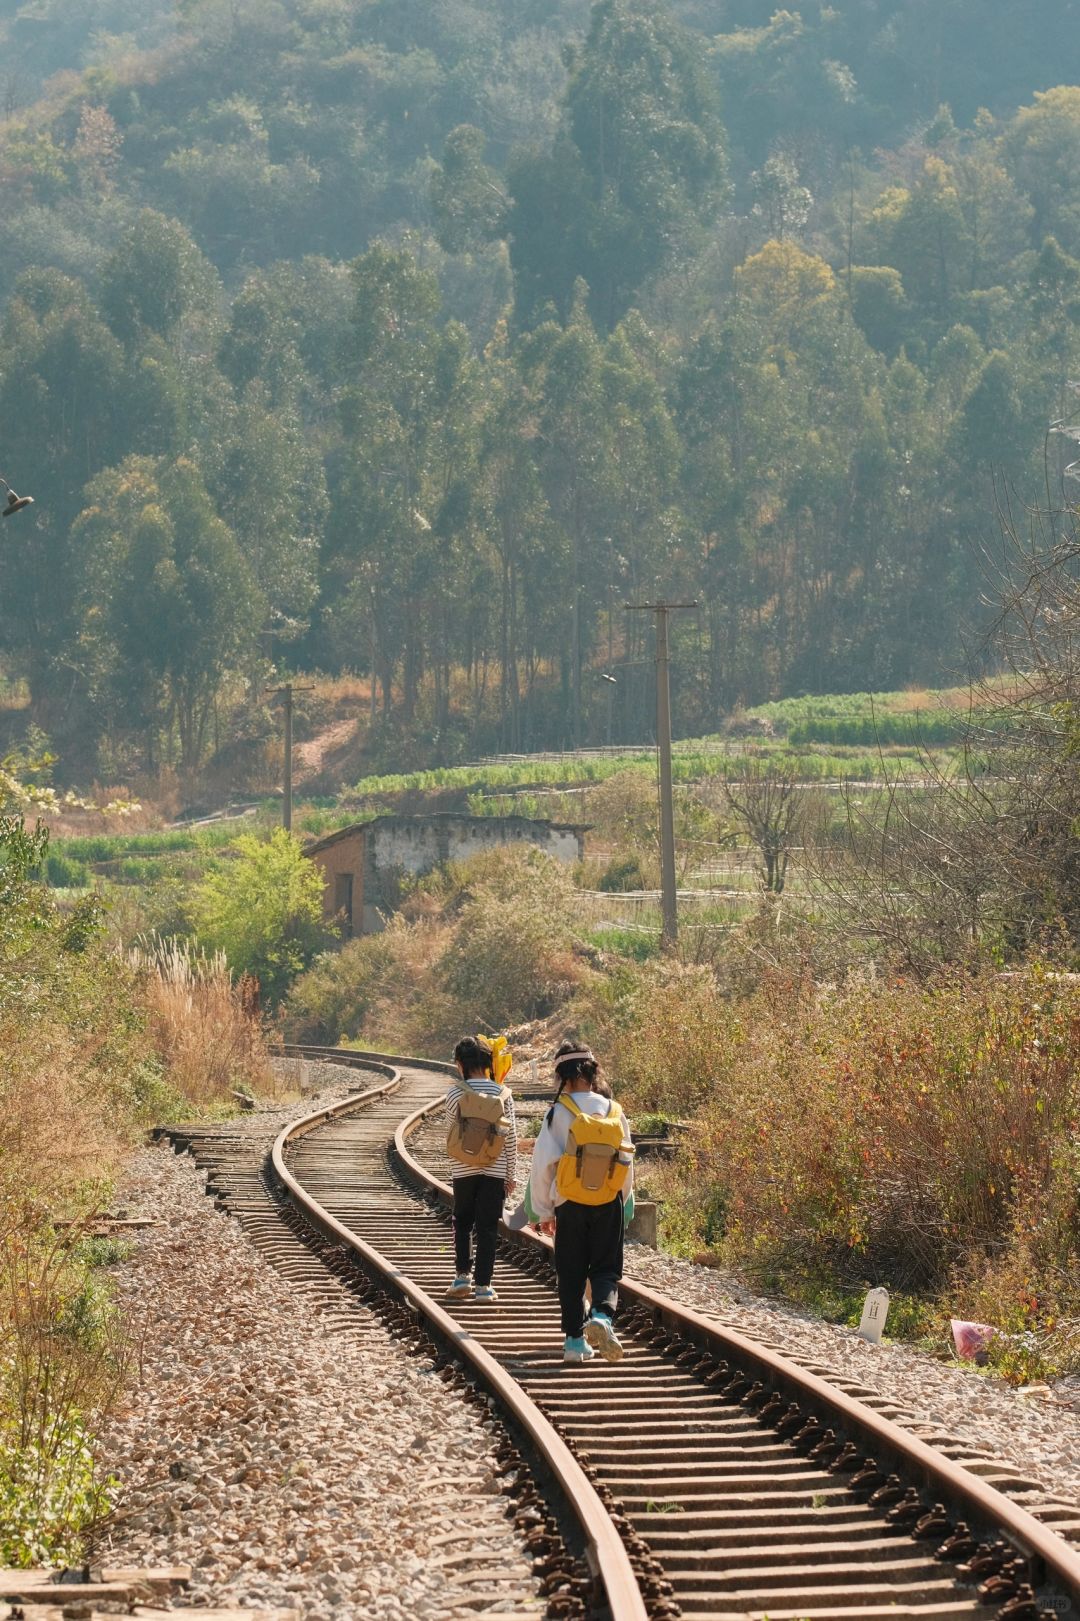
[(363, 865)]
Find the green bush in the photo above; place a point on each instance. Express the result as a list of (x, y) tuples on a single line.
[(63, 872), (338, 993), (263, 909), (50, 1495), (622, 873)]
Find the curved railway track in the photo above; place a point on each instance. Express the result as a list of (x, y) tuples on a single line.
[(704, 1475)]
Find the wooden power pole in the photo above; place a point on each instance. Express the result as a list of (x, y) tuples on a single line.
[(286, 692), (669, 898)]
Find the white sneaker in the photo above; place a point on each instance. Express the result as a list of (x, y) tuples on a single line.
[(485, 1294), (459, 1289), (603, 1338)]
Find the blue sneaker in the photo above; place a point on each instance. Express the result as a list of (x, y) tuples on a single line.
[(485, 1294), (603, 1338), (576, 1350), (460, 1288)]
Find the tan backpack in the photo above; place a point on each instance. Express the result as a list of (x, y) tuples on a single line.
[(478, 1131)]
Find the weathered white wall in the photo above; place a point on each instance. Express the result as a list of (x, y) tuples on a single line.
[(408, 846), (418, 846), (379, 852)]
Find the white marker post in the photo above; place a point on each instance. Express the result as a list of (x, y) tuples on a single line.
[(874, 1313)]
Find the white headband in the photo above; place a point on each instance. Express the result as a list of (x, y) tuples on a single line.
[(569, 1058)]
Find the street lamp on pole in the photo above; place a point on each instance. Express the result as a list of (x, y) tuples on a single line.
[(612, 683), (15, 503)]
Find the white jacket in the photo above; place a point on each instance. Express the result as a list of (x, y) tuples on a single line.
[(551, 1146)]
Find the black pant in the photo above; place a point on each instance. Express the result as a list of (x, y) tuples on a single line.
[(478, 1203), (588, 1248)]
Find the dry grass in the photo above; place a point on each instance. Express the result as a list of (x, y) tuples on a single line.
[(204, 1027), (72, 1087), (919, 1136), (55, 1133), (346, 688)]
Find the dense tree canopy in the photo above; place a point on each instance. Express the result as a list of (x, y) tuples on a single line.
[(417, 336)]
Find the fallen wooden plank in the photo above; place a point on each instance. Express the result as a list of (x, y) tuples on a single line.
[(162, 1578), (202, 1614), (55, 1612), (15, 1587)]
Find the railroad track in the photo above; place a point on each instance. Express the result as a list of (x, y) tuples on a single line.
[(704, 1475)]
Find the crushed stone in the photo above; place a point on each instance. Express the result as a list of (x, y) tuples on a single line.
[(289, 1462)]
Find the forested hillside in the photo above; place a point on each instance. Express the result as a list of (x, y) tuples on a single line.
[(419, 335)]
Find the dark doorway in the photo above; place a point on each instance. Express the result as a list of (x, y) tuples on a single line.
[(343, 901)]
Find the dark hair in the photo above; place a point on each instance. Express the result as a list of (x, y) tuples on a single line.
[(574, 1062), (601, 1086), (473, 1053)]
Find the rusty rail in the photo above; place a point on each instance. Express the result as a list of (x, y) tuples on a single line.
[(913, 1458), (673, 1357), (606, 1552)]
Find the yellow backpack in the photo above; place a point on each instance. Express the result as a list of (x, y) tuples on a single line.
[(593, 1169)]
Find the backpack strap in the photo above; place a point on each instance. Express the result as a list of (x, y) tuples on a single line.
[(503, 1094), (613, 1110)]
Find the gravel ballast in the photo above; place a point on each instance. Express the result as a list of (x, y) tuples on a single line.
[(289, 1463), (1038, 1432)]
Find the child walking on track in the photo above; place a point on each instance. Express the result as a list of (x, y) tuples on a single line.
[(481, 1142), (581, 1187)]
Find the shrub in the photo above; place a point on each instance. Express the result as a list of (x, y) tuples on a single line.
[(263, 909), (675, 1028), (336, 997), (512, 956), (63, 1354), (621, 874), (80, 1077), (484, 943), (918, 1136)]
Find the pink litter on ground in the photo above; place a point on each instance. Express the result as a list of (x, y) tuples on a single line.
[(971, 1339)]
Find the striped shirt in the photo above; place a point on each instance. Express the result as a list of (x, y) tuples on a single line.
[(505, 1167)]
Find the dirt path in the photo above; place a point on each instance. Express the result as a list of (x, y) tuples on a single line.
[(309, 759)]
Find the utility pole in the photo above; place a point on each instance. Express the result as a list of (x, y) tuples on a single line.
[(286, 692), (669, 902)]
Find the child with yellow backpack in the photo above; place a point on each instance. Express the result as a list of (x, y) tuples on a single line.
[(481, 1144), (581, 1188)]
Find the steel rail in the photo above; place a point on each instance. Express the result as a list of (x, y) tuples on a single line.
[(606, 1553), (917, 1461), (675, 1329)]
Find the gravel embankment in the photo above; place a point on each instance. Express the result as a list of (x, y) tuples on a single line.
[(1038, 1433), (290, 1464)]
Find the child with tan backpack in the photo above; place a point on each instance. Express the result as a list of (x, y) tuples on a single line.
[(481, 1143)]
